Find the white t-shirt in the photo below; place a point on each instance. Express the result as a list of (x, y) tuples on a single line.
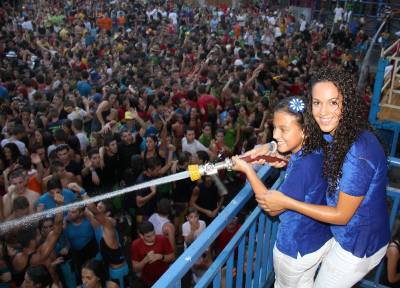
[(158, 223), (186, 230), (303, 24), (78, 113), (241, 19), (192, 148), (173, 17), (271, 20), (27, 25), (277, 32), (338, 14), (267, 40), (83, 140)]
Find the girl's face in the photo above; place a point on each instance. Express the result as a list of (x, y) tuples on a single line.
[(89, 279), (287, 132), (327, 105)]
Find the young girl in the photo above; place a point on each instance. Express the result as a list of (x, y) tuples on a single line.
[(301, 242), (356, 169)]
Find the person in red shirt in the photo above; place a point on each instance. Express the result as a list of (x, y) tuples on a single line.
[(151, 254), (227, 234), (208, 105)]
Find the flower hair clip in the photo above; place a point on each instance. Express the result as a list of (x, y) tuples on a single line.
[(296, 105)]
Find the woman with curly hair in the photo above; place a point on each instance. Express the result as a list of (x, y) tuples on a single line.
[(355, 167)]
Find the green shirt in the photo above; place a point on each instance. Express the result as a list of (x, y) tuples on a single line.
[(205, 140)]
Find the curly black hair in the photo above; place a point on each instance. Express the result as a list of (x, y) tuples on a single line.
[(352, 122)]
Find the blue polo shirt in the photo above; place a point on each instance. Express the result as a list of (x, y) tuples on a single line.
[(299, 234), (364, 174), (49, 202)]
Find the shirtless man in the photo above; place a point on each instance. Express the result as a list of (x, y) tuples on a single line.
[(18, 180), (57, 169)]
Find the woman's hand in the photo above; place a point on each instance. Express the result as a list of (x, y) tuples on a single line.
[(271, 201), (240, 165)]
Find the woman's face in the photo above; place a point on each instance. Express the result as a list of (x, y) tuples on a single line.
[(89, 279), (112, 99), (287, 132), (38, 137), (150, 144), (327, 105), (193, 113), (7, 153), (242, 112), (260, 107)]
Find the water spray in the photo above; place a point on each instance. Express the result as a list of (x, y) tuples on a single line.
[(194, 172)]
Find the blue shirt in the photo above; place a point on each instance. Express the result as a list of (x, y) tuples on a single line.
[(79, 235), (49, 203), (364, 174), (84, 88), (304, 182)]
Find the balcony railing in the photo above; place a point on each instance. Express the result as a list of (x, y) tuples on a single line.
[(247, 259)]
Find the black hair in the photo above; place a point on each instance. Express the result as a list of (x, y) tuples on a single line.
[(108, 140), (16, 173), (25, 236), (203, 156), (77, 124), (25, 162), (60, 135), (54, 183), (20, 203), (98, 270), (183, 158), (93, 152), (164, 206), (39, 275), (145, 227), (152, 162), (191, 210), (285, 106), (352, 122), (15, 153)]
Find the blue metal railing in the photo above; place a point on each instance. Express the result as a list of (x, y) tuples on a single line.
[(172, 278), (393, 127), (247, 259), (394, 195)]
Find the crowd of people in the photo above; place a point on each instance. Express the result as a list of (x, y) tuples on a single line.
[(100, 95)]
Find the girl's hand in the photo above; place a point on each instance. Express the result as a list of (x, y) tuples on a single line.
[(261, 150), (271, 201), (278, 164), (240, 165)]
